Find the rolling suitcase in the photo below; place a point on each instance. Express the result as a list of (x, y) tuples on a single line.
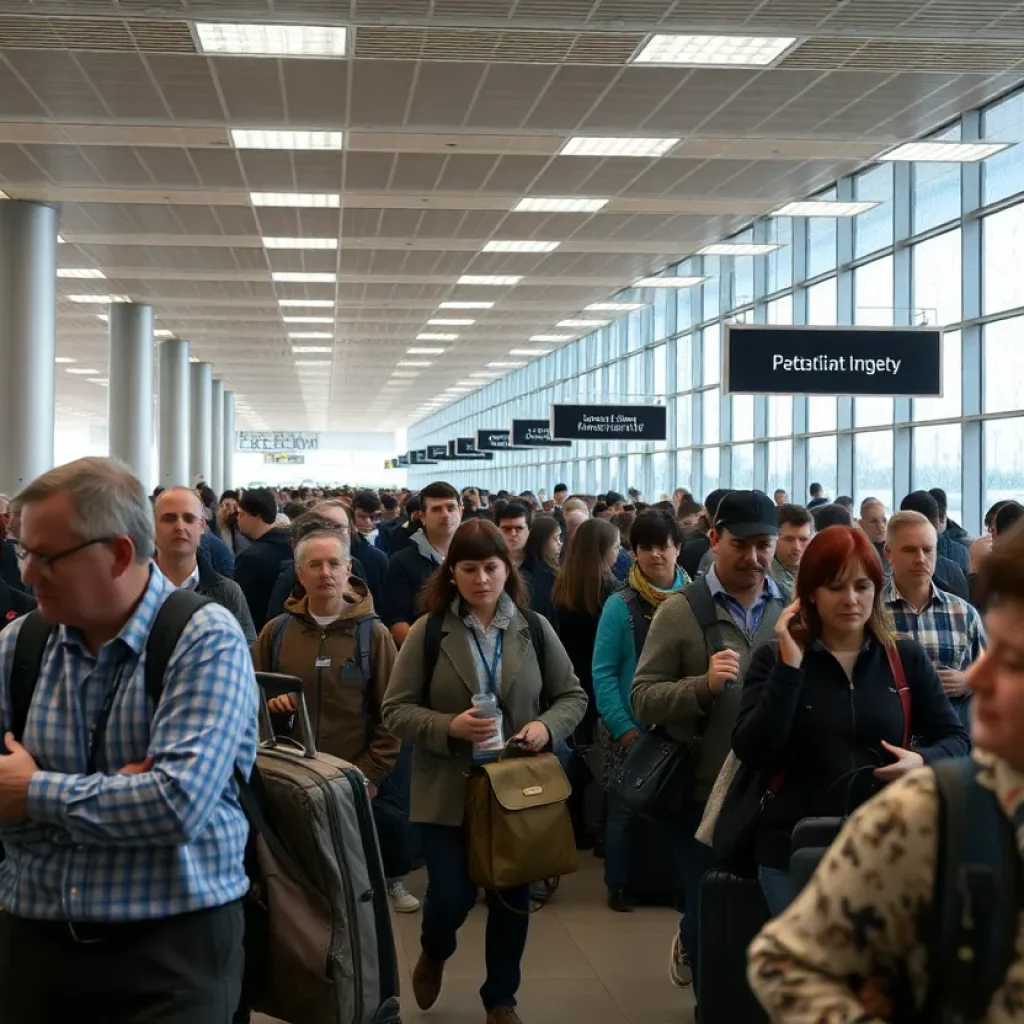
[(732, 912), (320, 949)]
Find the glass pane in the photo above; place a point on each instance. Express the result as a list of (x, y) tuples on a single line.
[(873, 230), (873, 307), (637, 329), (684, 308), (742, 278), (1003, 371), (780, 311), (659, 476), (822, 303), (821, 464), (1002, 254), (742, 467), (951, 403), (711, 289), (710, 417), (780, 262), (684, 363), (635, 473), (660, 371), (873, 467), (711, 370), (743, 417), (821, 245), (937, 460), (1004, 461), (684, 472), (1003, 174), (937, 280), (780, 415), (780, 466), (661, 299), (821, 414), (712, 474), (936, 188), (684, 420)]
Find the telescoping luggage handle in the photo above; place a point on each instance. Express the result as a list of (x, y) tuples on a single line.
[(276, 684)]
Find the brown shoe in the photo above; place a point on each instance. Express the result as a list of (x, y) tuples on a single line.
[(503, 1015), (426, 981)]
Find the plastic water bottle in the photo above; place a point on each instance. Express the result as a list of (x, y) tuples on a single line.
[(489, 749)]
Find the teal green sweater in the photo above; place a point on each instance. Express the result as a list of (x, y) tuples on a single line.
[(614, 664)]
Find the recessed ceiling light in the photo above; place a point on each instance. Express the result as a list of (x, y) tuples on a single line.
[(552, 337), (945, 152), (82, 372), (507, 365), (668, 282), (162, 333), (555, 204), (414, 362), (426, 351), (522, 245), (102, 381), (486, 373), (589, 145), (103, 317), (259, 138), (308, 319), (310, 350), (310, 200), (466, 305), (194, 359), (429, 336), (301, 277), (614, 307), (456, 390), (737, 249), (823, 208), (300, 243), (529, 352), (312, 362), (311, 335), (4, 195), (731, 51), (65, 359), (582, 323), (494, 280), (82, 273), (405, 373), (447, 321), (311, 303), (272, 40), (100, 300)]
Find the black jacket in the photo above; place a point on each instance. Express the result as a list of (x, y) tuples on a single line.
[(540, 579), (956, 532), (10, 571), (225, 592), (257, 569), (955, 552), (691, 554), (13, 604), (828, 732), (407, 575), (373, 564)]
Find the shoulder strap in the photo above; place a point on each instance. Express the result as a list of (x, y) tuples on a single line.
[(902, 690), (977, 898), (639, 623), (170, 622), (33, 636), (432, 637), (277, 627), (536, 634), (705, 611), (364, 656)]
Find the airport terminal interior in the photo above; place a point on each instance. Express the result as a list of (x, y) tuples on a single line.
[(354, 242)]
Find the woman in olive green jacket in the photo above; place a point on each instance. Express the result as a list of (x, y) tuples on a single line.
[(485, 648)]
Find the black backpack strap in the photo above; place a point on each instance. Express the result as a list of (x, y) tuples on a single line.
[(364, 658), (432, 637), (536, 635), (979, 890), (170, 622), (702, 602), (277, 627), (33, 635), (639, 622)]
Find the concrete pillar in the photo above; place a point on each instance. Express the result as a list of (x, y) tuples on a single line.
[(201, 422), (28, 339), (174, 414), (130, 388), (229, 440), (217, 436)]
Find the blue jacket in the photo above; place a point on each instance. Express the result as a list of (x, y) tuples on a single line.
[(374, 564), (620, 570), (615, 663), (218, 553)]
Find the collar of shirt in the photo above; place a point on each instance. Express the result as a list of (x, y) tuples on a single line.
[(892, 595), (746, 618), (192, 582)]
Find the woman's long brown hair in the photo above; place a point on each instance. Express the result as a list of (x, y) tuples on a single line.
[(582, 585)]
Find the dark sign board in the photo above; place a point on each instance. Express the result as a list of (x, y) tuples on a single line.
[(610, 422), (535, 434), (897, 362), (401, 460), (418, 457), (494, 441), (465, 448), (437, 451)]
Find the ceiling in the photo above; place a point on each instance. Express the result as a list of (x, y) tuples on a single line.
[(453, 111)]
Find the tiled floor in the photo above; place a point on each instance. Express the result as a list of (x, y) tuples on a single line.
[(583, 964)]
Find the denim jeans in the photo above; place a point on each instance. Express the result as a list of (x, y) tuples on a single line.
[(962, 707), (450, 897), (778, 888)]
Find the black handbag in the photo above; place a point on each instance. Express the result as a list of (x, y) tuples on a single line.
[(736, 827)]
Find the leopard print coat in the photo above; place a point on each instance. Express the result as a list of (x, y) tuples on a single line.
[(854, 937)]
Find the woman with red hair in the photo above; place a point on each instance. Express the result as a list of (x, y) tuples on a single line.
[(821, 710)]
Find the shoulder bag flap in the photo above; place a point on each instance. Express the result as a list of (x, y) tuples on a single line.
[(519, 783)]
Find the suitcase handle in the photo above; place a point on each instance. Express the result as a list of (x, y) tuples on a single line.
[(275, 684)]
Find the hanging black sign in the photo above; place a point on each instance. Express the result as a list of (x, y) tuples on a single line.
[(418, 457), (610, 422), (494, 441), (401, 460), (465, 448), (437, 451), (535, 434), (896, 362)]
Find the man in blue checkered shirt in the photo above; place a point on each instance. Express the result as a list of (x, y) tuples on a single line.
[(124, 838), (947, 627)]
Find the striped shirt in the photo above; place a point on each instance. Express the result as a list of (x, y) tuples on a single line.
[(108, 847)]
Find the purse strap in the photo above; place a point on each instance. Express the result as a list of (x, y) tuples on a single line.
[(902, 689)]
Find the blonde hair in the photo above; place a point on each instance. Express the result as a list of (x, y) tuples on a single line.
[(902, 519)]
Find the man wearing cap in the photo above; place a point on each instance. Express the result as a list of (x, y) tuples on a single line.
[(689, 678)]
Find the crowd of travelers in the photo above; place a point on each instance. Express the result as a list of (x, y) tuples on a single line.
[(719, 681)]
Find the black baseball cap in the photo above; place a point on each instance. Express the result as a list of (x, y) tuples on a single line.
[(747, 514)]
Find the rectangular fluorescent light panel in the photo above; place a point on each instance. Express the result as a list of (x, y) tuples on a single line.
[(522, 245), (308, 200), (259, 138), (529, 352), (426, 351), (428, 336), (447, 321), (552, 337), (507, 365), (823, 208), (466, 305), (312, 362), (301, 277), (668, 282), (310, 350), (101, 300), (300, 243), (81, 273), (321, 335), (311, 303), (614, 307), (945, 152), (582, 323), (714, 51), (65, 359), (737, 249), (494, 280), (308, 319), (587, 145), (163, 334), (414, 362), (272, 40), (81, 371), (556, 204), (486, 373), (102, 381)]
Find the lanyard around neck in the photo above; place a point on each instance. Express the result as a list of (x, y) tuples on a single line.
[(491, 669)]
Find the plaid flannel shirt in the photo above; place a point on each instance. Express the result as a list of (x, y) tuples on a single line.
[(109, 847)]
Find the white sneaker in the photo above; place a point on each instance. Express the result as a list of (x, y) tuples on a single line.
[(679, 969), (403, 901)]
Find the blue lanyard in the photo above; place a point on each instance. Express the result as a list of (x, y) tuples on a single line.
[(492, 669)]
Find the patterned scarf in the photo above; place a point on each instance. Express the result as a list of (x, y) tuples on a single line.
[(648, 591)]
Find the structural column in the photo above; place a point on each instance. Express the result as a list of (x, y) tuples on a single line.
[(174, 414), (217, 436), (130, 388), (201, 422), (229, 440), (28, 338)]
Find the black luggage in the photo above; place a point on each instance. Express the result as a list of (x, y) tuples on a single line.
[(732, 912), (653, 875), (811, 838)]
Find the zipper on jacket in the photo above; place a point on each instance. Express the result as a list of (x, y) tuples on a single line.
[(319, 687)]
